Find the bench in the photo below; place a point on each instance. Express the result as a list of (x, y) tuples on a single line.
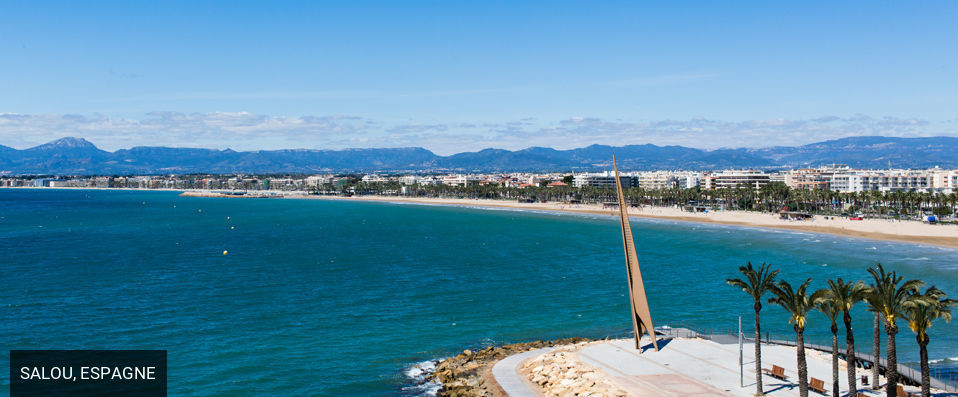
[(776, 372), (902, 393), (817, 385)]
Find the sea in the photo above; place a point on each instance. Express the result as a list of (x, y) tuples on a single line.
[(346, 298)]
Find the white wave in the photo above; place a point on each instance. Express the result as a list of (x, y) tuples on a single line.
[(421, 369), (948, 360), (419, 375)]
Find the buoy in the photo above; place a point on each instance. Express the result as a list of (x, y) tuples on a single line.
[(232, 227), (199, 210), (225, 252), (227, 218)]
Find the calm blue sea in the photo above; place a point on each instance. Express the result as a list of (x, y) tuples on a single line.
[(326, 297)]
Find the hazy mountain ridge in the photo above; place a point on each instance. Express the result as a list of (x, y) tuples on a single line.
[(870, 152), (77, 156)]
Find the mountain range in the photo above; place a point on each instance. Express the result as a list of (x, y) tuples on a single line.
[(77, 156)]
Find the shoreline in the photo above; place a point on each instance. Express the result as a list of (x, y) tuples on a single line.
[(913, 232), (907, 231)]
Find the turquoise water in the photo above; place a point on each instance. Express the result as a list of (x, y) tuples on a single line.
[(324, 297)]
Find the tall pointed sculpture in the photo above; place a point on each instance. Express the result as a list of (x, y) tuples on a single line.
[(641, 316)]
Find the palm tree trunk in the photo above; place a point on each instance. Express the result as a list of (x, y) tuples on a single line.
[(802, 365), (834, 359), (877, 345), (758, 352), (891, 373), (850, 352), (925, 371)]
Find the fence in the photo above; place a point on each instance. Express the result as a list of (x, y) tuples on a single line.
[(945, 379)]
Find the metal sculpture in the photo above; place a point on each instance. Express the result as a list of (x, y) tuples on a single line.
[(641, 316)]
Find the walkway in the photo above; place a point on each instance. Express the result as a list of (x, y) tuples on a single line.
[(683, 367), (507, 375)]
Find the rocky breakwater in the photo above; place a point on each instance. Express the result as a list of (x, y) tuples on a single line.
[(469, 373), (560, 373)]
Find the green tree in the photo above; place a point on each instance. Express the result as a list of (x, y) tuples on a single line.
[(797, 302), (756, 283), (844, 296), (889, 296), (920, 311)]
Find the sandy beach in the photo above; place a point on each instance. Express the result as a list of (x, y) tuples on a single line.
[(877, 229)]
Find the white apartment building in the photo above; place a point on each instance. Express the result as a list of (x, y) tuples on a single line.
[(689, 180), (375, 178), (603, 180), (318, 180), (667, 179), (409, 179), (460, 180), (285, 183), (945, 180), (884, 181), (656, 180), (735, 178)]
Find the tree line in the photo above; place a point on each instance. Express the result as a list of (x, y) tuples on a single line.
[(772, 197), (889, 296)]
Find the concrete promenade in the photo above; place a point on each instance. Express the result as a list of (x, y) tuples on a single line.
[(687, 367), (507, 376)]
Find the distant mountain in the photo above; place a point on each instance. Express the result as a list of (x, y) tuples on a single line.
[(870, 152), (637, 157), (77, 156)]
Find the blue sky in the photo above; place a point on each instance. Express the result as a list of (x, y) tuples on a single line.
[(455, 76)]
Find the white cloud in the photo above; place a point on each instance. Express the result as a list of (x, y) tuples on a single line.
[(249, 131), (218, 129)]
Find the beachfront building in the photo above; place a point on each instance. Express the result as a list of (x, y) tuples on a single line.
[(460, 180), (318, 180), (735, 178), (654, 180), (375, 178), (284, 184), (811, 178), (883, 181), (690, 180), (604, 180), (409, 180), (945, 181)]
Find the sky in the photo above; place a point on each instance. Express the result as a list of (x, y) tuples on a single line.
[(454, 76)]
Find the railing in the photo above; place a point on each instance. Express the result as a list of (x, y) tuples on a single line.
[(946, 381)]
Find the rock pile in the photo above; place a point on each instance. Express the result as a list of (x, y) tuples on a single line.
[(469, 374), (560, 373)]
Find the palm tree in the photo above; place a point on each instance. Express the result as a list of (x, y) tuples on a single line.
[(797, 303), (876, 348), (845, 296), (828, 307), (890, 299), (756, 283), (920, 312)]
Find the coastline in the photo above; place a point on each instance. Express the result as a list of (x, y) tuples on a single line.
[(875, 229), (907, 231)]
